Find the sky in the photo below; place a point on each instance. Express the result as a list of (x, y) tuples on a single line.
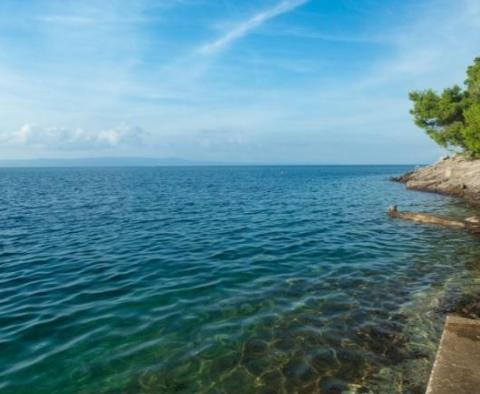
[(234, 81)]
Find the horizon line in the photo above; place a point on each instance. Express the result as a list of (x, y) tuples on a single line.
[(132, 162)]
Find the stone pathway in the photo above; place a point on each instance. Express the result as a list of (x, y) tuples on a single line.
[(457, 365)]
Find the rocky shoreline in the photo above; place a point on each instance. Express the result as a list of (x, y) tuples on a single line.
[(454, 176)]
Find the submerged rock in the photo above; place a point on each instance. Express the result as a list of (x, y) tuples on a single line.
[(471, 224), (465, 305)]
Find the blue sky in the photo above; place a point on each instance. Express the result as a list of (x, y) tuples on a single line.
[(264, 81)]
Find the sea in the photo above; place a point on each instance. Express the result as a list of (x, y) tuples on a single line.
[(242, 279)]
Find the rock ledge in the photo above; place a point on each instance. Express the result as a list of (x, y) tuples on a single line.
[(454, 176)]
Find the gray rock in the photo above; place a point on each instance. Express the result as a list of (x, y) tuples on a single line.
[(455, 176)]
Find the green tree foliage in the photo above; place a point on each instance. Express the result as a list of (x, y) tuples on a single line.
[(452, 118)]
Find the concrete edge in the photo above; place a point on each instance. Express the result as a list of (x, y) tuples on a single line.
[(460, 321), (451, 321), (434, 366)]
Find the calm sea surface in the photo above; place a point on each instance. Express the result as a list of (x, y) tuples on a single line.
[(222, 280)]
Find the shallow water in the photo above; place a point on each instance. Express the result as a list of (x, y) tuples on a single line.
[(222, 280)]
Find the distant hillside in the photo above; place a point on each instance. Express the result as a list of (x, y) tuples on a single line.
[(103, 162)]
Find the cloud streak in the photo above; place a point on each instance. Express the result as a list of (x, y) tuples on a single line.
[(66, 20), (80, 68), (245, 27), (73, 138)]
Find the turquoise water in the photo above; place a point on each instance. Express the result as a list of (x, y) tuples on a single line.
[(222, 280)]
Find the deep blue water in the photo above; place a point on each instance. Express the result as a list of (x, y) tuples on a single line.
[(221, 280)]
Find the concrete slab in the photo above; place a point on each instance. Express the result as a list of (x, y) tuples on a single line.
[(457, 365)]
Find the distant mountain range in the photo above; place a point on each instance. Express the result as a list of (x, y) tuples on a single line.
[(103, 162)]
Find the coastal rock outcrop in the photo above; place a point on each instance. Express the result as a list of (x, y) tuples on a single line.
[(472, 223), (455, 176)]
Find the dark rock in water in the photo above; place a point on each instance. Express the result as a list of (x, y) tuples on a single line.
[(467, 305), (333, 386), (402, 178), (473, 265), (255, 347), (383, 341)]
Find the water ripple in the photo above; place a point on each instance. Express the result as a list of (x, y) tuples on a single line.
[(221, 280)]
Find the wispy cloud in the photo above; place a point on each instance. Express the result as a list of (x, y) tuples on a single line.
[(246, 26), (331, 37), (79, 68), (66, 19), (65, 138), (424, 54)]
